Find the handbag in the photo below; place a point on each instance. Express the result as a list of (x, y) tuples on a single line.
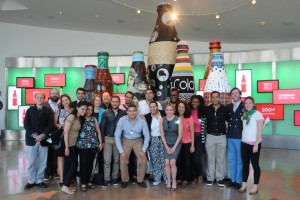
[(58, 141)]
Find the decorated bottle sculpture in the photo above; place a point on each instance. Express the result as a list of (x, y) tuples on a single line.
[(89, 85), (217, 80), (214, 47), (104, 82), (137, 81), (183, 77), (162, 52)]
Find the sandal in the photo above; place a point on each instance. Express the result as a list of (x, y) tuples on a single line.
[(83, 188), (173, 189), (168, 188), (91, 185)]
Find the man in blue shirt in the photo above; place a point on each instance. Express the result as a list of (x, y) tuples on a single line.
[(132, 134)]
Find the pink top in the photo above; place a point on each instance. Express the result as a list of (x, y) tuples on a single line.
[(186, 133), (197, 123)]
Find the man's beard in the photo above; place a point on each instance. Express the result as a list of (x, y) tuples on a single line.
[(54, 99)]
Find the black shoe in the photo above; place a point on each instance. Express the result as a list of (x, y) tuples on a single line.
[(47, 177), (220, 183), (42, 185), (55, 175), (142, 184), (124, 184), (28, 186), (231, 184), (238, 186), (209, 183)]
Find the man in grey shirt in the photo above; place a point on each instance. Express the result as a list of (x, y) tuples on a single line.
[(132, 134)]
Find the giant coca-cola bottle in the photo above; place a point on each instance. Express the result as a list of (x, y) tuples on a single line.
[(89, 85), (104, 82), (183, 76), (162, 51), (217, 80), (137, 81), (214, 47)]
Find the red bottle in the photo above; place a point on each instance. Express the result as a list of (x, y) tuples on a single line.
[(15, 98), (243, 84), (23, 115)]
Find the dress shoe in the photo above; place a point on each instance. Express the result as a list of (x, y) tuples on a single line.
[(42, 185), (237, 186), (142, 184), (28, 186), (124, 184), (231, 184), (67, 190)]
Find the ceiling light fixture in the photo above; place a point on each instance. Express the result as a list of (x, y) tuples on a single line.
[(193, 13), (217, 16), (174, 16), (253, 2)]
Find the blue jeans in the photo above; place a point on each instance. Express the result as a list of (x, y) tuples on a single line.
[(37, 162), (235, 160)]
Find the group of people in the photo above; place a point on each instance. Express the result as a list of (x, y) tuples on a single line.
[(169, 136)]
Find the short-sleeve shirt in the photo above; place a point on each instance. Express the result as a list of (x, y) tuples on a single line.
[(186, 131), (74, 129), (250, 131)]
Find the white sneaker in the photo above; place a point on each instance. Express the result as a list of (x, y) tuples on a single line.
[(155, 183)]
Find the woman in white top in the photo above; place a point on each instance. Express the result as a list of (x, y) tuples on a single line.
[(156, 148), (251, 143)]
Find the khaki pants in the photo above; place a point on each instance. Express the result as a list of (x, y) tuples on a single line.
[(110, 151), (216, 150), (135, 145)]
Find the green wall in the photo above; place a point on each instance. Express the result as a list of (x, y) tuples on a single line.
[(287, 73)]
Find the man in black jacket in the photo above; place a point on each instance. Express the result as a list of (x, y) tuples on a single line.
[(38, 123), (108, 126)]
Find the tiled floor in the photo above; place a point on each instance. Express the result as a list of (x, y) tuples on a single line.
[(280, 180)]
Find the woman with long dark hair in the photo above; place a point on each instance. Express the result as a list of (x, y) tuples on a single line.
[(156, 148), (72, 126), (59, 120), (187, 148), (88, 143), (198, 112), (251, 143)]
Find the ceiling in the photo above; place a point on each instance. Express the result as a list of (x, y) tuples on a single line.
[(268, 21)]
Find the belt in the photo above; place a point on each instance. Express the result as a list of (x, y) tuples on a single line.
[(217, 134)]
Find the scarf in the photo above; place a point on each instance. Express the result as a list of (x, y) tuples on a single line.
[(248, 115)]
